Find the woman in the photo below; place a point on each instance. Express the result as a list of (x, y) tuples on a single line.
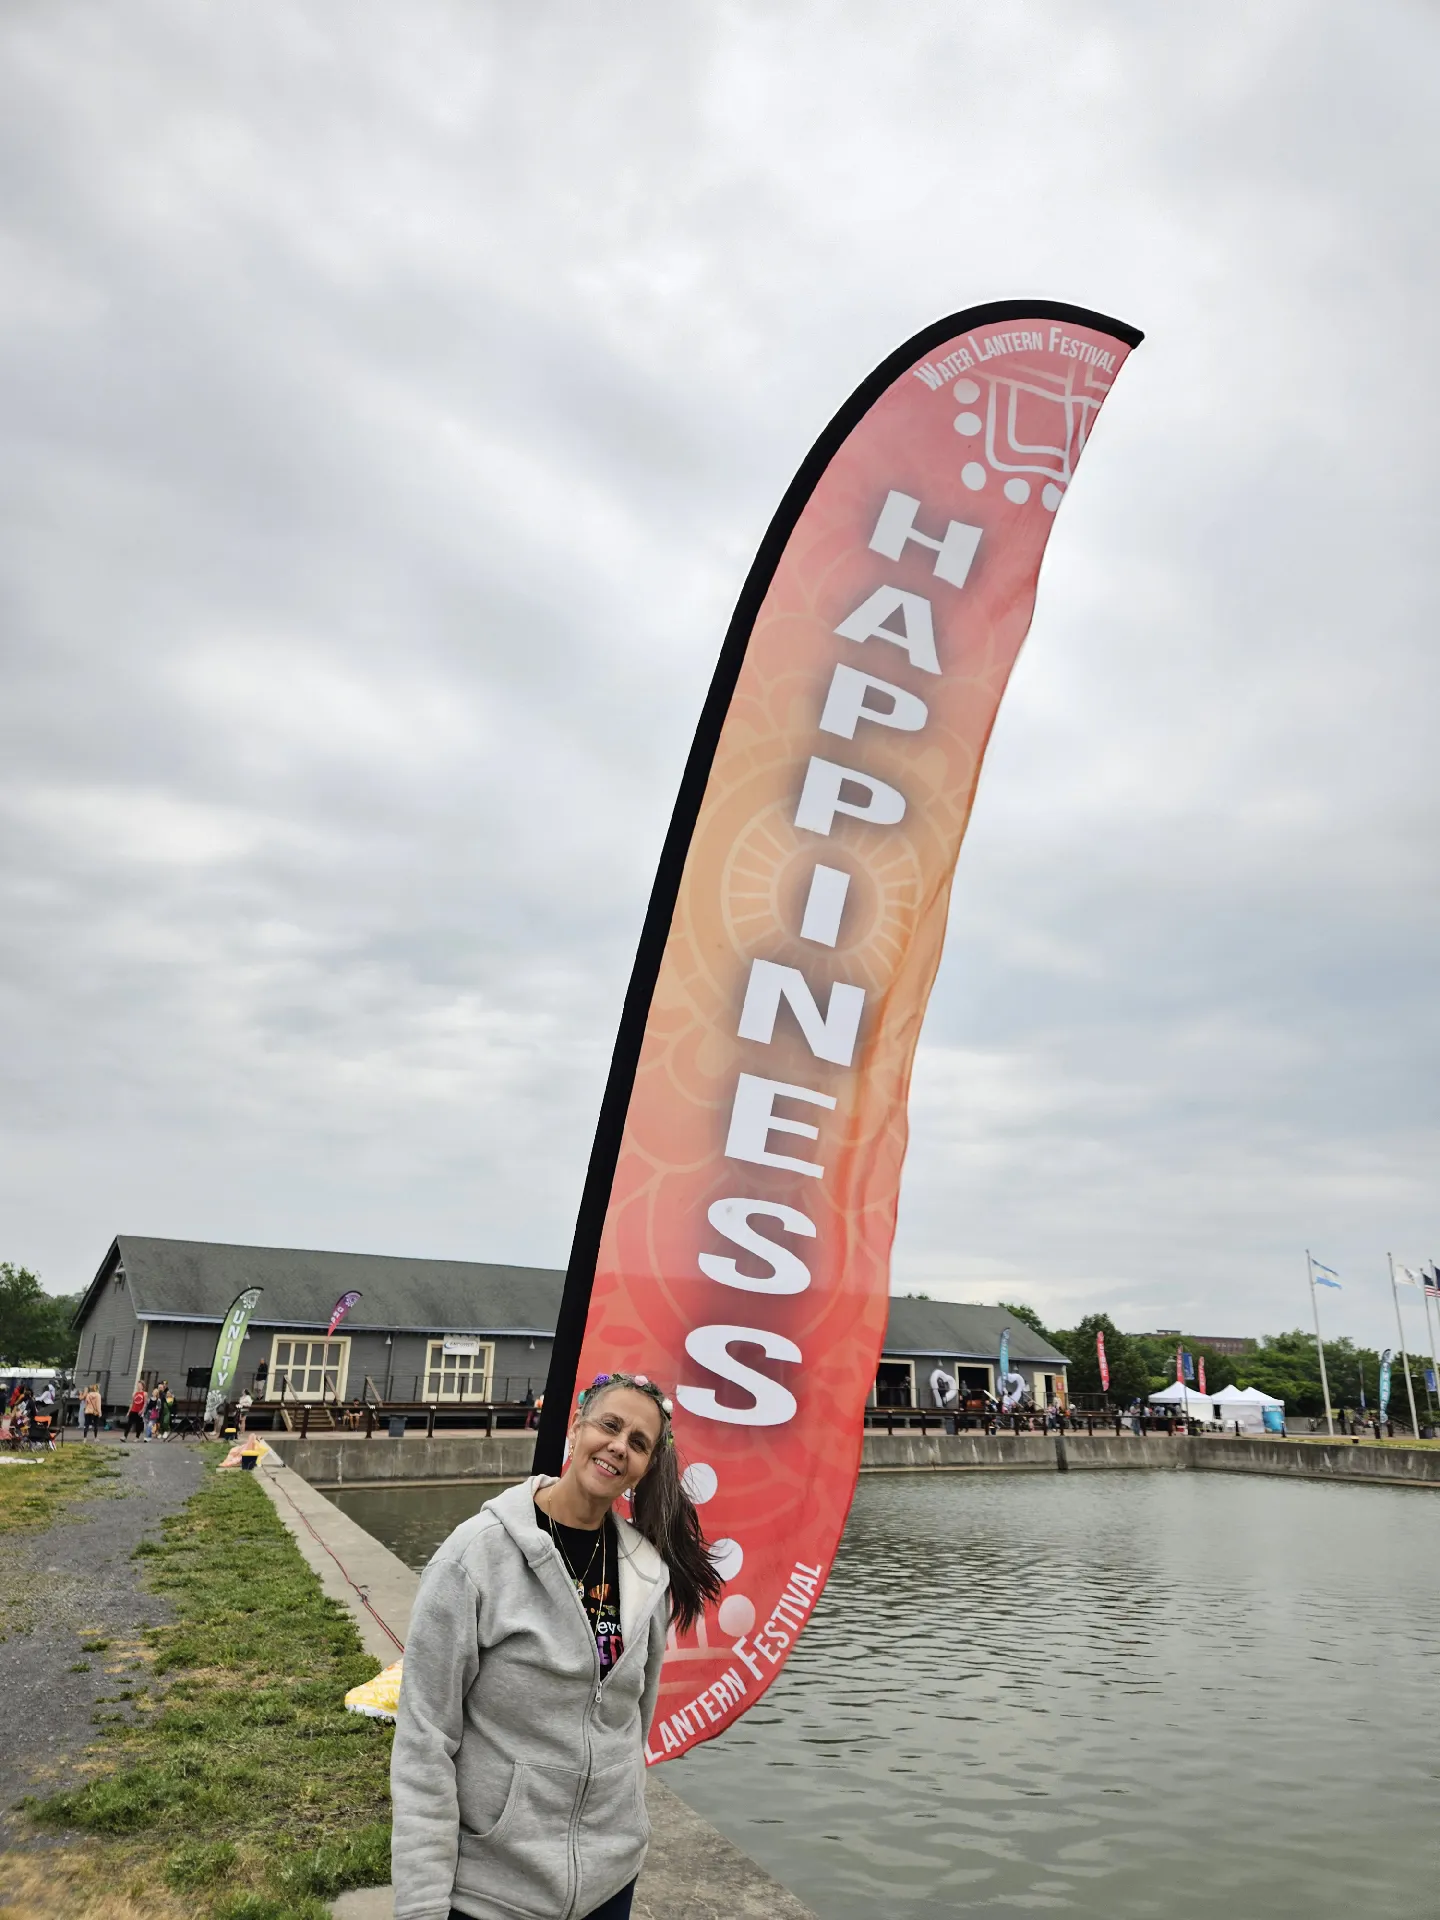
[(531, 1672), (93, 1409)]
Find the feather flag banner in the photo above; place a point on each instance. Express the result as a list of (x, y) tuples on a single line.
[(733, 1239)]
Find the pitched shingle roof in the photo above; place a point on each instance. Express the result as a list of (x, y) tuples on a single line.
[(963, 1332), (197, 1280)]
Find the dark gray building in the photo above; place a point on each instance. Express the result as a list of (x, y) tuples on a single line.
[(442, 1330), (435, 1331)]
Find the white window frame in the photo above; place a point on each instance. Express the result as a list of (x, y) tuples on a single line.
[(480, 1363), (275, 1389)]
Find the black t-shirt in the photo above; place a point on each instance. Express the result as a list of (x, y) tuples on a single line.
[(592, 1560)]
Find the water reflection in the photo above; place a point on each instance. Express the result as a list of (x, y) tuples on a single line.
[(1094, 1695)]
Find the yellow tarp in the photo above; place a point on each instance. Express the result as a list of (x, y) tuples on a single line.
[(380, 1697)]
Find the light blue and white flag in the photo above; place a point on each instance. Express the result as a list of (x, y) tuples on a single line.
[(1407, 1276), (1325, 1276)]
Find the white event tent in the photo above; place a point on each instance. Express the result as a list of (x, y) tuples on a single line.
[(1245, 1404), (1178, 1398)]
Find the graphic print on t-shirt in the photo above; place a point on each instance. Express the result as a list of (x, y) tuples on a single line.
[(602, 1603)]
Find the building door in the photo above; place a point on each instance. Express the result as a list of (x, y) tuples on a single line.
[(895, 1384), (308, 1369)]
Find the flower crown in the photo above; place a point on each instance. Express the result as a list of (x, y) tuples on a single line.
[(642, 1383)]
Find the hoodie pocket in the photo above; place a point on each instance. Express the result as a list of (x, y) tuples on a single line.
[(523, 1861), (614, 1831)]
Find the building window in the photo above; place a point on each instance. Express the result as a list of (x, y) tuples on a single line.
[(308, 1369), (459, 1369)]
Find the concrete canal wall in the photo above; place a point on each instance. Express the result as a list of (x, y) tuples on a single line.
[(1079, 1453), (343, 1460), (349, 1460)]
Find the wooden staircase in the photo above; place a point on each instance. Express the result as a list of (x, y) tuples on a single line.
[(322, 1417)]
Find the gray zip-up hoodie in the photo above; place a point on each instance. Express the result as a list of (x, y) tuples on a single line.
[(518, 1780)]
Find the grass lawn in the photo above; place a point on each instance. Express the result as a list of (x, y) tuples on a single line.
[(246, 1792)]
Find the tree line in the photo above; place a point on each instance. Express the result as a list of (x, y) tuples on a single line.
[(34, 1325), (1282, 1364)]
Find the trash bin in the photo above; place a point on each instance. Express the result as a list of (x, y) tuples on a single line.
[(1274, 1418), (397, 1426)]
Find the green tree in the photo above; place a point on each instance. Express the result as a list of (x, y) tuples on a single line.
[(34, 1325), (1129, 1373), (1028, 1315)]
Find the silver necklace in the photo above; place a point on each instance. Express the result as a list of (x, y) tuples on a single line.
[(589, 1564)]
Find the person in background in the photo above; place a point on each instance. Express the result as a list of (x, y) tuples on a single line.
[(152, 1413), (91, 1411), (242, 1410), (135, 1419), (167, 1409)]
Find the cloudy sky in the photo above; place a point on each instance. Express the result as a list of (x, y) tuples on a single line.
[(393, 399)]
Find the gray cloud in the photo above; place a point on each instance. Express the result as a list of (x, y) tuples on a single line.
[(392, 402)]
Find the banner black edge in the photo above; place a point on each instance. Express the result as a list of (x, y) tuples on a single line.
[(655, 929)]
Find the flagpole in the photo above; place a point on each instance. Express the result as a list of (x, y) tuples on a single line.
[(1319, 1343), (1404, 1356), (1430, 1325)]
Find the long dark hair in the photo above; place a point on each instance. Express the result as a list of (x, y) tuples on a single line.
[(663, 1511)]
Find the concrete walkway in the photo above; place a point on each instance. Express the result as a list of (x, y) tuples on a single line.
[(692, 1873)]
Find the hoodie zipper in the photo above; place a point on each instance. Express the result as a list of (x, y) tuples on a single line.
[(595, 1700), (579, 1802)]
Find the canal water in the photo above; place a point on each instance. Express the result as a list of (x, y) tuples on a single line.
[(1107, 1695)]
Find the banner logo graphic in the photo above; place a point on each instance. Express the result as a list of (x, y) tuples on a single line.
[(338, 1312), (734, 1232)]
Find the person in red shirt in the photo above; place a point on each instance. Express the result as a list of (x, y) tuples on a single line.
[(136, 1416)]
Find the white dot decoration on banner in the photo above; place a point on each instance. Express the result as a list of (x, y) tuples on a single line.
[(700, 1482), (974, 475), (727, 1556), (1050, 497), (966, 391), (1018, 491), (968, 423), (736, 1614)]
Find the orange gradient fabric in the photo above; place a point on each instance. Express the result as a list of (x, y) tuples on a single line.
[(913, 564)]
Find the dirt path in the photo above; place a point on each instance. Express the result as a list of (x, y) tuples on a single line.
[(76, 1581)]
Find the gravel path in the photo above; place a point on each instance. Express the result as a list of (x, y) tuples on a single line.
[(77, 1582)]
